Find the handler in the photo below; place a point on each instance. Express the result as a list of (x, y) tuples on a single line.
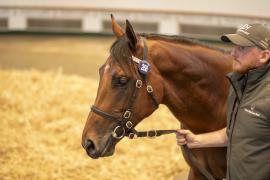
[(247, 135)]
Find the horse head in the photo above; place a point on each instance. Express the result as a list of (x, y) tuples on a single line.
[(125, 94)]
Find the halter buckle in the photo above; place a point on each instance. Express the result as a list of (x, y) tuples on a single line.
[(114, 134), (149, 89), (129, 124), (127, 114), (139, 83), (132, 136), (148, 134)]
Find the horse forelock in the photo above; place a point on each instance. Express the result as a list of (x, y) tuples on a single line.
[(122, 54)]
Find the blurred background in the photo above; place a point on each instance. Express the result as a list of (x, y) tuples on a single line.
[(50, 52)]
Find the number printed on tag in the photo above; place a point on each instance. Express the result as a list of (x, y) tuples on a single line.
[(144, 67)]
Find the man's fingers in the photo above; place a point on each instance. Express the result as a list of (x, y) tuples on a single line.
[(182, 132), (182, 141), (180, 136)]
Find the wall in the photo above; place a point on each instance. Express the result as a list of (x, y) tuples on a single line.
[(205, 19)]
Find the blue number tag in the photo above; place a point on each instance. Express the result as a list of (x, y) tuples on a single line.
[(144, 67)]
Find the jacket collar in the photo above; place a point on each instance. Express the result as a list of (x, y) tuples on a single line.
[(256, 75), (252, 77), (237, 81)]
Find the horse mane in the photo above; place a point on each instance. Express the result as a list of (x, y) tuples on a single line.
[(181, 40), (121, 52)]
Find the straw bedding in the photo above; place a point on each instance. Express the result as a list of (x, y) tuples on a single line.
[(42, 117)]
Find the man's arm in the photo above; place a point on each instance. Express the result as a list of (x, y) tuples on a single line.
[(212, 139)]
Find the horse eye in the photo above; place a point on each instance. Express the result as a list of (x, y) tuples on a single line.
[(123, 81)]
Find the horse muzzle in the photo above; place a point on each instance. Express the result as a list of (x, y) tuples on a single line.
[(93, 152)]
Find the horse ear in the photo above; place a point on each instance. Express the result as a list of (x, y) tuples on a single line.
[(131, 35), (116, 28)]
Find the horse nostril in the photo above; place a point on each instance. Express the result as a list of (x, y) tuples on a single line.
[(89, 147)]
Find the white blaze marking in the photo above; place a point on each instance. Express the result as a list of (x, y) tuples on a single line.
[(107, 67)]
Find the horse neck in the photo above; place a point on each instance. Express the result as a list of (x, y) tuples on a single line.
[(195, 87)]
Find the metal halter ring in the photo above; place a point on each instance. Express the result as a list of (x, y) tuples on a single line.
[(139, 83), (149, 88), (114, 134), (132, 136), (147, 134), (127, 114), (129, 124)]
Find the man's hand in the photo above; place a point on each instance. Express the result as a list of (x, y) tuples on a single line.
[(212, 139), (184, 136)]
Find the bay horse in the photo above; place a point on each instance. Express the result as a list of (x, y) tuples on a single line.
[(145, 70)]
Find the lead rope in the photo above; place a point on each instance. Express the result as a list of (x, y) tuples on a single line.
[(195, 162), (187, 151)]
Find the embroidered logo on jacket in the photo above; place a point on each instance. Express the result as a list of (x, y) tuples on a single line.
[(267, 84), (252, 111)]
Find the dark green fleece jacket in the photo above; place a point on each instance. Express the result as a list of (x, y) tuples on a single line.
[(248, 125)]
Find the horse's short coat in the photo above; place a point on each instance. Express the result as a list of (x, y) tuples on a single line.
[(187, 76)]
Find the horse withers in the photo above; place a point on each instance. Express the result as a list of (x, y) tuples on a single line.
[(145, 70)]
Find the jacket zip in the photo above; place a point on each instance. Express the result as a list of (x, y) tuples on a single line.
[(233, 117)]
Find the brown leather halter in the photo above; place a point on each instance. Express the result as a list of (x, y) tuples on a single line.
[(125, 126)]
